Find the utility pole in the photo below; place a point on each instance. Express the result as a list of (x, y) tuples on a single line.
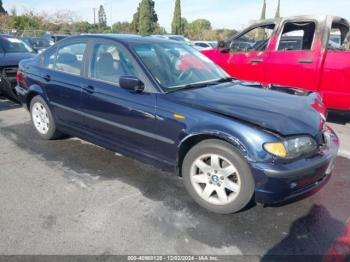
[(94, 16)]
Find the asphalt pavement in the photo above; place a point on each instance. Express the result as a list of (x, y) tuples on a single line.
[(71, 197)]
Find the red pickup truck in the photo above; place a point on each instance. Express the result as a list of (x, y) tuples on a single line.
[(308, 52)]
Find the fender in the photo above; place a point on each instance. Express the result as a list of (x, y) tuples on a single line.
[(28, 94), (221, 135)]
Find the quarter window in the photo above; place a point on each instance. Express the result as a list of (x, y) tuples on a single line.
[(70, 57), (110, 62), (49, 59)]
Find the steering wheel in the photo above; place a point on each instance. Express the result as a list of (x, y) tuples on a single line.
[(185, 75)]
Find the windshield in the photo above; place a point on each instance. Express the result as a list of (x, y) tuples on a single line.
[(42, 42), (15, 45), (176, 66)]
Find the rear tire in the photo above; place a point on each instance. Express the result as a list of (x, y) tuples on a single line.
[(42, 119), (217, 177)]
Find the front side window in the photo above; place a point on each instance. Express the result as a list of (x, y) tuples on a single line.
[(254, 40), (70, 58), (110, 62), (176, 66), (297, 36)]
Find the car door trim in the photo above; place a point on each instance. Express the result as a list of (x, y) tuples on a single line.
[(108, 122)]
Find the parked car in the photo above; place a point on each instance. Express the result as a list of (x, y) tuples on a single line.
[(312, 53), (231, 142), (12, 50), (38, 44), (178, 38), (203, 45)]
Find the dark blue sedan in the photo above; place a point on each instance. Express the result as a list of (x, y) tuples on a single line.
[(164, 103)]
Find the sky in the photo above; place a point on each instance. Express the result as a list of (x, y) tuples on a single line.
[(233, 14)]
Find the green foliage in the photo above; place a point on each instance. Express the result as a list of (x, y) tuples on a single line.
[(278, 11), (148, 17), (102, 18), (2, 9), (135, 23), (121, 28), (261, 32), (26, 22), (176, 26), (263, 11), (197, 28)]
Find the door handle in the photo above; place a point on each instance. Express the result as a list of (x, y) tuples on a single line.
[(47, 78), (306, 61), (88, 88), (257, 60)]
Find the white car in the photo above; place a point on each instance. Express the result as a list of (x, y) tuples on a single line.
[(202, 45)]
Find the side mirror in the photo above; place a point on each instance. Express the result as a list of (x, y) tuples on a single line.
[(131, 83), (222, 47)]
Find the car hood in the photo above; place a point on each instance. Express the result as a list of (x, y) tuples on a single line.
[(280, 112), (12, 59)]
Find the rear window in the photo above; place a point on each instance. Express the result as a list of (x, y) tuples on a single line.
[(15, 45)]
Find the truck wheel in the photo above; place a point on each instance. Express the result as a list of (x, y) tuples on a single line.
[(217, 177), (42, 119)]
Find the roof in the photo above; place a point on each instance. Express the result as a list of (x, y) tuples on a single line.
[(6, 36), (125, 38), (303, 17)]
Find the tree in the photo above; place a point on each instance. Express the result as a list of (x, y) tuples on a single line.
[(147, 18), (2, 9), (135, 23), (278, 11), (102, 18), (263, 11), (121, 27), (261, 31), (176, 25), (198, 28)]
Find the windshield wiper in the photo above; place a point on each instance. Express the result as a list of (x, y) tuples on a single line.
[(225, 80), (203, 84)]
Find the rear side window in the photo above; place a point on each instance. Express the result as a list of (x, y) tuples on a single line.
[(297, 36), (339, 38), (70, 57)]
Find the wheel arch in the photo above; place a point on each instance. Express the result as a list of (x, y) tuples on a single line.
[(33, 91), (193, 139)]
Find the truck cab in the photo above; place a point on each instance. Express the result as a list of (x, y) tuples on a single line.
[(307, 52)]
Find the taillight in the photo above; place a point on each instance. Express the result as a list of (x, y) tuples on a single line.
[(20, 78)]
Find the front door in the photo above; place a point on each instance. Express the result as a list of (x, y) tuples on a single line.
[(247, 54), (121, 117)]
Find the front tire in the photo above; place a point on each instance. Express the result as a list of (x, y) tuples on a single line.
[(42, 119), (217, 177)]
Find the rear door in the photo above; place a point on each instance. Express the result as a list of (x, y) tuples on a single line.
[(120, 117), (62, 77), (295, 60)]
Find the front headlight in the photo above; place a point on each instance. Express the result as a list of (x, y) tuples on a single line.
[(292, 147)]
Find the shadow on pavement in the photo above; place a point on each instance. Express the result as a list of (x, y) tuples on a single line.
[(338, 117), (6, 104), (316, 228)]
